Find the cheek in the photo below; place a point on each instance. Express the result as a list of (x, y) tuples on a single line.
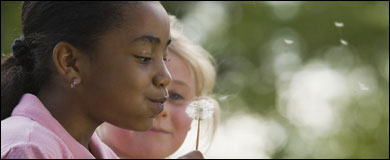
[(123, 90), (109, 135), (181, 121), (182, 124)]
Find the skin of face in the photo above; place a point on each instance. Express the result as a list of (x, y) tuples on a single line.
[(125, 83), (170, 127)]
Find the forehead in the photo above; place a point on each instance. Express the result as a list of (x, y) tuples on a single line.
[(180, 70), (143, 19), (148, 18)]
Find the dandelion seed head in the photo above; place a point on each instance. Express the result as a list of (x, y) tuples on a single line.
[(201, 108)]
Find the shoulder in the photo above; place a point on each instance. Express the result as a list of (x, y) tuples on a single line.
[(22, 137), (25, 150)]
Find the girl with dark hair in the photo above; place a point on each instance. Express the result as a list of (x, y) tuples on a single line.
[(193, 75), (77, 65)]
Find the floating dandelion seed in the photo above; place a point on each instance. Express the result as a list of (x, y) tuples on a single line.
[(339, 24), (288, 41), (343, 42), (224, 98), (200, 109), (363, 87)]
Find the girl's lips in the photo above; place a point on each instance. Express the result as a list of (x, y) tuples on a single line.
[(157, 107), (157, 104), (158, 100)]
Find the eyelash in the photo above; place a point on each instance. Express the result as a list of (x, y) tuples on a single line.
[(143, 59), (148, 59), (173, 96)]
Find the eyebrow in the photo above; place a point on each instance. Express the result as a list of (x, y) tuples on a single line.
[(151, 39), (179, 82), (148, 38)]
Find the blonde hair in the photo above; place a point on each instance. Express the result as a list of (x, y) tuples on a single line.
[(202, 64)]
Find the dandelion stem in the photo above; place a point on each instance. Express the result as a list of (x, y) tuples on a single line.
[(197, 137)]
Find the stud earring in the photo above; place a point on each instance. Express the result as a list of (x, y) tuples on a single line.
[(73, 85)]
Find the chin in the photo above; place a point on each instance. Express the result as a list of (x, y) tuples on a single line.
[(138, 126), (143, 129), (146, 125), (156, 155)]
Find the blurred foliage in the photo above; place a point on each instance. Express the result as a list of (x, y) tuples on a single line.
[(242, 45), (10, 24), (243, 41)]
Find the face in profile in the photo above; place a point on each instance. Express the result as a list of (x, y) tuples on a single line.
[(171, 126), (125, 83)]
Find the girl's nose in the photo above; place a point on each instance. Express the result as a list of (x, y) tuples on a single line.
[(163, 77)]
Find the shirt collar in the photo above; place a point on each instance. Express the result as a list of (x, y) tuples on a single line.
[(30, 106), (99, 149)]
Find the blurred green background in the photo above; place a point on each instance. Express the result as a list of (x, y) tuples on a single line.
[(295, 79)]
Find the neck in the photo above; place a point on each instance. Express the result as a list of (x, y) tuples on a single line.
[(70, 113)]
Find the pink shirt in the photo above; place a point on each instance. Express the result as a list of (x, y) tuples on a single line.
[(99, 149), (32, 132)]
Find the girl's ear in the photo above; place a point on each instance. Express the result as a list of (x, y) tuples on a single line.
[(67, 60)]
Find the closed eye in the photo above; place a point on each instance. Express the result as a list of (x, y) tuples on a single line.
[(143, 59)]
